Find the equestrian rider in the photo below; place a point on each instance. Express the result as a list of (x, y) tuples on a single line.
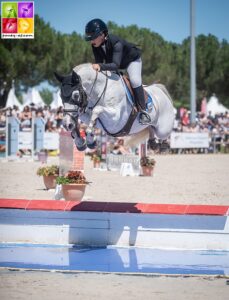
[(113, 53)]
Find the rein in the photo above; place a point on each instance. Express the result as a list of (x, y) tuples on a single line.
[(103, 92)]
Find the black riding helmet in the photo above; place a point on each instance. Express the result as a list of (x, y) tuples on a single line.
[(94, 28)]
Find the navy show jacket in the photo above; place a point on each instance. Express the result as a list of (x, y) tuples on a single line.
[(118, 54)]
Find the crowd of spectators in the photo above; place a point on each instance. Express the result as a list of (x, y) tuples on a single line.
[(217, 126), (53, 118)]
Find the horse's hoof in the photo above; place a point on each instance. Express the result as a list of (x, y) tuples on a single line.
[(82, 148), (80, 144), (164, 147), (92, 145)]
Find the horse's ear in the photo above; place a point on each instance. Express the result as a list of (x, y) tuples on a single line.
[(75, 78), (59, 77)]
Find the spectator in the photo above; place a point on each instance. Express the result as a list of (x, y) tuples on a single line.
[(119, 148), (26, 117), (59, 117)]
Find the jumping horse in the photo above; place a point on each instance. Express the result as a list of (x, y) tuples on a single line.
[(101, 100)]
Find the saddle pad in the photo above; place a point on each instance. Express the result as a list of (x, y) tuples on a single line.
[(149, 103)]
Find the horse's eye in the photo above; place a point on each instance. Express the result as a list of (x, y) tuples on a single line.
[(75, 95)]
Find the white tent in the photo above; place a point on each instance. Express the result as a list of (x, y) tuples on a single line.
[(33, 96), (24, 98), (56, 102), (12, 99), (215, 107)]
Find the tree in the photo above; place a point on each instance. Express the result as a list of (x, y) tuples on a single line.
[(30, 62)]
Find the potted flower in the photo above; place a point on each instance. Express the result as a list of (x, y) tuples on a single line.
[(73, 185), (147, 164), (49, 174)]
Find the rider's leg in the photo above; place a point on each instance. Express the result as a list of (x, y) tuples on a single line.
[(135, 74), (140, 98)]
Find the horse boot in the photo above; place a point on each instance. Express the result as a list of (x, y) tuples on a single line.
[(164, 147), (139, 97), (154, 145)]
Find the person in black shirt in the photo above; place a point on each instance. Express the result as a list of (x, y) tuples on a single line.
[(113, 53)]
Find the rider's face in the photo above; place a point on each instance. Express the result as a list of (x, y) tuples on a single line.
[(98, 41)]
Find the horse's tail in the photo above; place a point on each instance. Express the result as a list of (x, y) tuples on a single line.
[(137, 138)]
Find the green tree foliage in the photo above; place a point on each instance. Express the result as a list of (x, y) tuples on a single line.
[(46, 95), (29, 62)]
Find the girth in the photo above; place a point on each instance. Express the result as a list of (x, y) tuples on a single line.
[(126, 129)]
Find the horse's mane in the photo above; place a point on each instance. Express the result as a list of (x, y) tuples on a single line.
[(111, 75), (81, 66)]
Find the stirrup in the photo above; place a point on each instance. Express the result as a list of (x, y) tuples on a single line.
[(144, 118)]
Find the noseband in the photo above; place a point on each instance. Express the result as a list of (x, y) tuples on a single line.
[(67, 94)]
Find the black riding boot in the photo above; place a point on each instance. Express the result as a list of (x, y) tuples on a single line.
[(139, 96)]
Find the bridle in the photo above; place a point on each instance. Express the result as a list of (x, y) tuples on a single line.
[(82, 102)]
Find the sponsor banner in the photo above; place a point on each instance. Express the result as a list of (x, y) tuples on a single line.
[(25, 140), (51, 140), (189, 140)]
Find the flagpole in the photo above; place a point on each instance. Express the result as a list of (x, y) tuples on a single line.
[(192, 63)]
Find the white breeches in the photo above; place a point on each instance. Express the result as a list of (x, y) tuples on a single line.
[(134, 71)]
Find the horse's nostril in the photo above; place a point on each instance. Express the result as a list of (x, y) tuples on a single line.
[(70, 126)]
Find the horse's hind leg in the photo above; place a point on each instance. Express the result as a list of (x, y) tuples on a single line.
[(152, 143), (161, 146)]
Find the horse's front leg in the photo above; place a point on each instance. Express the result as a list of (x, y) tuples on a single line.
[(153, 144), (90, 132), (79, 141)]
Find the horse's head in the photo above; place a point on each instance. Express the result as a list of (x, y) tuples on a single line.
[(74, 98), (72, 91)]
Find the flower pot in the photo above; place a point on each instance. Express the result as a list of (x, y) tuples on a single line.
[(147, 171), (73, 192), (50, 181)]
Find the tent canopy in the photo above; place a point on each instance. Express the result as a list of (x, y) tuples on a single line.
[(12, 99), (215, 107), (33, 96), (56, 102)]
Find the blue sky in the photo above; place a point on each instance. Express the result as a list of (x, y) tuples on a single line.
[(169, 18)]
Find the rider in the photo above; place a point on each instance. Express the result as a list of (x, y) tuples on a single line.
[(113, 53)]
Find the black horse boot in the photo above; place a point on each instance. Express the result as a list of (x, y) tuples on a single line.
[(139, 96), (153, 144)]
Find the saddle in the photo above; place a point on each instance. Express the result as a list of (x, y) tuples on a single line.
[(130, 94)]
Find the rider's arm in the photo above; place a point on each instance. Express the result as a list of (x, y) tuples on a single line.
[(116, 59)]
